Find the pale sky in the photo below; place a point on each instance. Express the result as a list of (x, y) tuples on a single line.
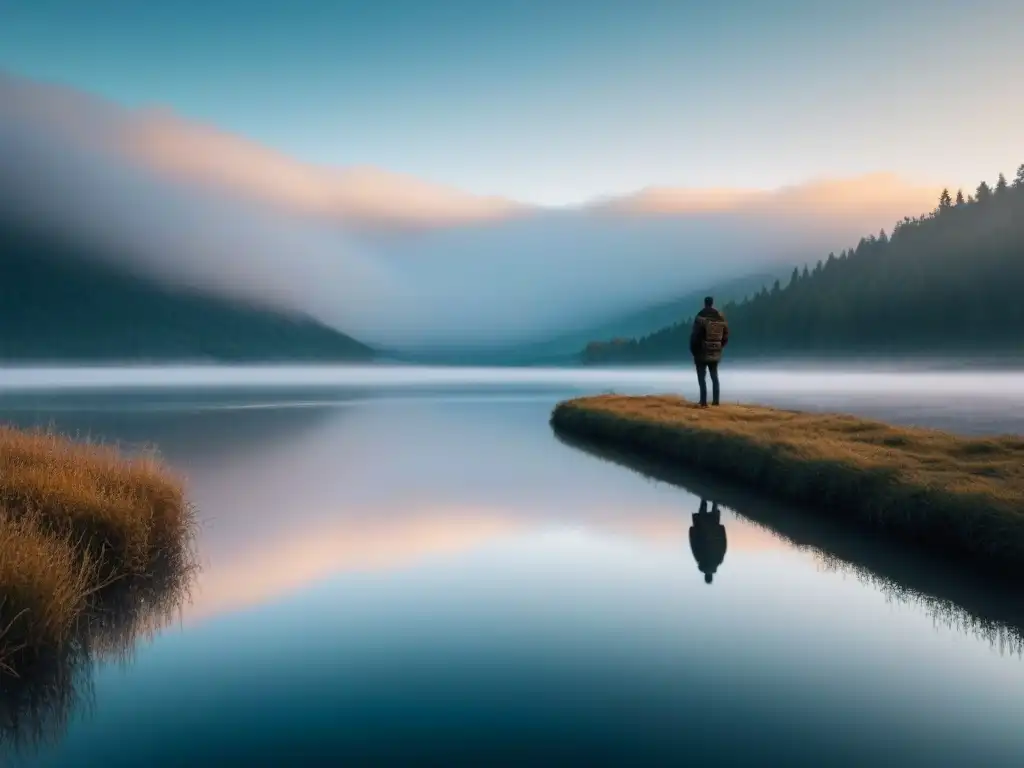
[(557, 103)]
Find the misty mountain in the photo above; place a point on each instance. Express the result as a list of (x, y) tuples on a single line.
[(61, 303), (397, 262), (564, 348), (950, 283), (659, 315)]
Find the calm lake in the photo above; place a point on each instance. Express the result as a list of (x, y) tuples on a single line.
[(405, 566)]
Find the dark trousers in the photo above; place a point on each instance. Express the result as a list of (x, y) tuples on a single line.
[(704, 368)]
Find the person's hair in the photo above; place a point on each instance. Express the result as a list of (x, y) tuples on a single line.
[(709, 301), (707, 578)]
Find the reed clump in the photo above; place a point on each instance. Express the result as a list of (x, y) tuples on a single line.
[(79, 521), (955, 495)]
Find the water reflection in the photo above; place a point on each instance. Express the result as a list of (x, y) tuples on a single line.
[(707, 539), (438, 580), (37, 702), (289, 496), (956, 600), (188, 428)]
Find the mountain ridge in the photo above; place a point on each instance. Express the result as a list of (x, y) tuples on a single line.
[(61, 304)]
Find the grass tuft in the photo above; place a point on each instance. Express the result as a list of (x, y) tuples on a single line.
[(955, 495), (44, 584), (79, 522)]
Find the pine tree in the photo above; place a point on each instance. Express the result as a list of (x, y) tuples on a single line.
[(945, 201), (910, 275)]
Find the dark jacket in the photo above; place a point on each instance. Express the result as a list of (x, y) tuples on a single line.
[(709, 335), (707, 540)]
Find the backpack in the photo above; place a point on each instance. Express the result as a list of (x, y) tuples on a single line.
[(711, 344)]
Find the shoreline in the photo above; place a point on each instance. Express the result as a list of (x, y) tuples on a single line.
[(991, 607), (958, 497)]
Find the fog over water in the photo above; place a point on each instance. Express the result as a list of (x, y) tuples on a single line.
[(965, 400)]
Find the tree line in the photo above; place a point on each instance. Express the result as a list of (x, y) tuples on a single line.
[(948, 282)]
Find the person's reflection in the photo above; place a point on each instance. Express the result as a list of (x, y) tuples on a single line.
[(707, 539)]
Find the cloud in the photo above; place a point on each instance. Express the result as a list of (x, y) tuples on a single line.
[(395, 261), (357, 196)]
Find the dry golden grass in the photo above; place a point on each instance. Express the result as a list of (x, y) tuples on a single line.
[(961, 495), (43, 586), (75, 519)]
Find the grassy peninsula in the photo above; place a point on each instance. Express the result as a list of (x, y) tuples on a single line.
[(960, 497), (77, 522)]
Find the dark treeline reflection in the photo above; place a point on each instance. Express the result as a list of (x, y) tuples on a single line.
[(37, 702), (956, 600), (912, 291)]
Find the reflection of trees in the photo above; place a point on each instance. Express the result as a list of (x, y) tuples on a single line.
[(958, 601), (36, 703)]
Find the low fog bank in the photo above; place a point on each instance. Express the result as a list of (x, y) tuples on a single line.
[(739, 380), (440, 272), (940, 399)]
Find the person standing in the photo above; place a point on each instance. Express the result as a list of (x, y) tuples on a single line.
[(708, 338)]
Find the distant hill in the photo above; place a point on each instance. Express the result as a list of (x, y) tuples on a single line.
[(58, 303), (564, 349), (658, 316), (947, 283)]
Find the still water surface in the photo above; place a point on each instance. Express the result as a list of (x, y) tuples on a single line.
[(406, 565)]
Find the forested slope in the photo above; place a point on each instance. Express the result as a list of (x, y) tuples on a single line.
[(949, 282), (59, 304)]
